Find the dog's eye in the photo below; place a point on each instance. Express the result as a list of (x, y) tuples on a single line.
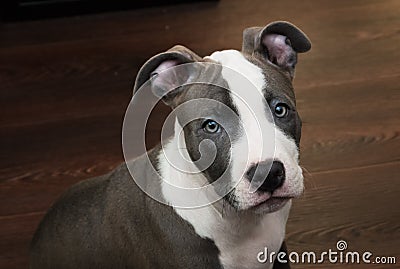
[(281, 110), (210, 126)]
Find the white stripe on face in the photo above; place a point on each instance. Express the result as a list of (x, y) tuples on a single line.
[(261, 139)]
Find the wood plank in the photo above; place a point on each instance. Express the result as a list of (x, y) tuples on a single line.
[(16, 233)]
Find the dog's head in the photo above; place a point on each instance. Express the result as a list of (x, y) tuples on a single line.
[(245, 111)]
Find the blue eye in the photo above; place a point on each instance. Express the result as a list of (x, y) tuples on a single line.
[(281, 110), (210, 126)]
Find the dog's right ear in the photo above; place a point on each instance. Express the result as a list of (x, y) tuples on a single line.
[(277, 43), (164, 79)]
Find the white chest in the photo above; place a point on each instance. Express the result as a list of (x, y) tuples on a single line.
[(240, 245), (239, 240)]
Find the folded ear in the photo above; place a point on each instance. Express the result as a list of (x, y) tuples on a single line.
[(164, 78), (277, 43)]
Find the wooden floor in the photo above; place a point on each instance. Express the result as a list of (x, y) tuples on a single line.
[(65, 84)]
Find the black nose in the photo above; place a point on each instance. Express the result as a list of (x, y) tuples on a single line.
[(272, 178)]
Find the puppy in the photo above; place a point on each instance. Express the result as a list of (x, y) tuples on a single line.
[(214, 194)]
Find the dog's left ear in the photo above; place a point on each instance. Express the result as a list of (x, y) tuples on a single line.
[(164, 79), (277, 43)]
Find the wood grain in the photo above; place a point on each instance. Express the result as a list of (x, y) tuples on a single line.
[(65, 84)]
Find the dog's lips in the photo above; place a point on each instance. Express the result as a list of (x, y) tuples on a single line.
[(272, 204)]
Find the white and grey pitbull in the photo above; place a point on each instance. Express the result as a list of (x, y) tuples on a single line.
[(109, 222)]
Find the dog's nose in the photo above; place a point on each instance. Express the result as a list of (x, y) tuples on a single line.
[(272, 176)]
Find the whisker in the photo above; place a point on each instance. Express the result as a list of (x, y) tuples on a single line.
[(309, 177), (306, 170)]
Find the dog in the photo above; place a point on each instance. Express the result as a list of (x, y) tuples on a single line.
[(113, 221)]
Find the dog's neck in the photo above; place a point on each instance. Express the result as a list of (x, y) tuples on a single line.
[(239, 235)]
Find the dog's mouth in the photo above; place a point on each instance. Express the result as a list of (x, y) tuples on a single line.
[(262, 202), (271, 204)]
